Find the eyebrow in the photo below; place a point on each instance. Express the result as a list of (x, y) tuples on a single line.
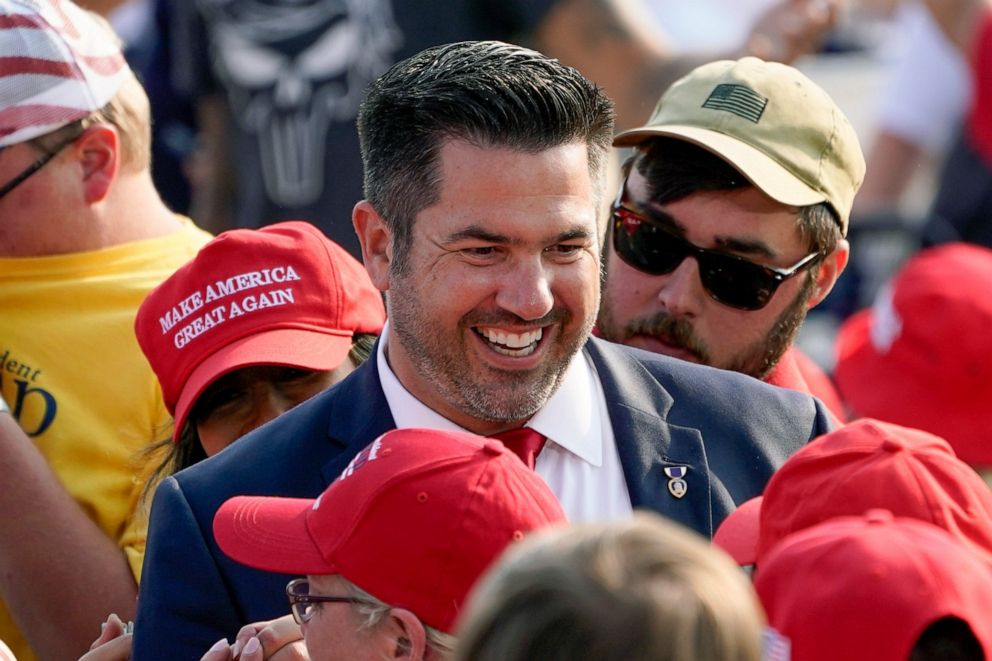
[(480, 233), (476, 232), (726, 243), (748, 247)]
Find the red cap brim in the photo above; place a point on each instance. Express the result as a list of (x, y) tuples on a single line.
[(291, 347), (270, 534), (738, 534)]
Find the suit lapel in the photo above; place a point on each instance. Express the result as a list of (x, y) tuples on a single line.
[(359, 415), (638, 406), (649, 446)]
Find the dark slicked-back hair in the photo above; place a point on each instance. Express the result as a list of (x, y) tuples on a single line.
[(676, 168), (487, 93)]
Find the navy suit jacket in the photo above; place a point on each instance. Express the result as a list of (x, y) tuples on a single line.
[(731, 431)]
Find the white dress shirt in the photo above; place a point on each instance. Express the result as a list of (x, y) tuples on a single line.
[(579, 461)]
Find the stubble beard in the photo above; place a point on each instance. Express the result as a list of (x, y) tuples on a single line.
[(497, 395), (757, 360), (762, 357)]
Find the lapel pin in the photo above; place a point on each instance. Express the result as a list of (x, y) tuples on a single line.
[(677, 485)]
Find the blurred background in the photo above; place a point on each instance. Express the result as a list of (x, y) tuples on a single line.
[(904, 86)]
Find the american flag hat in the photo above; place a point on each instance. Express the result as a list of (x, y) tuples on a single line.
[(769, 121), (58, 64)]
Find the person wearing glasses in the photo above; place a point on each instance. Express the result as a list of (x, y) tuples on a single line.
[(392, 547), (730, 222), (84, 236), (485, 169)]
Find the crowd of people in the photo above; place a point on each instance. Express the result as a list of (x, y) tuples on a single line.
[(502, 412)]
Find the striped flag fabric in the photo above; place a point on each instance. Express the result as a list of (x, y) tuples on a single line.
[(775, 646), (58, 63), (737, 99)]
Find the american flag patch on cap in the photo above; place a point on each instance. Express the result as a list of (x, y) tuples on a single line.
[(57, 64), (737, 99), (775, 646)]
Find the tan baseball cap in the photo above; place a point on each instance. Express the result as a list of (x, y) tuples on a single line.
[(776, 126)]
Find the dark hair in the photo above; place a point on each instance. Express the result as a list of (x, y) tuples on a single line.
[(948, 639), (677, 168), (487, 93), (188, 450)]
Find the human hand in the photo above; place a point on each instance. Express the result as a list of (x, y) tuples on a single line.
[(113, 644), (277, 640), (791, 28)]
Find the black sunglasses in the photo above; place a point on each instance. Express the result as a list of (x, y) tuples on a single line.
[(47, 155), (728, 279)]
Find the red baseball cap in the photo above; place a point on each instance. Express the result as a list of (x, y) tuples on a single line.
[(872, 464), (867, 587), (738, 533), (920, 356), (414, 520), (281, 295)]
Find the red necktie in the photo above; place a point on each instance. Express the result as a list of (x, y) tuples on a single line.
[(523, 442)]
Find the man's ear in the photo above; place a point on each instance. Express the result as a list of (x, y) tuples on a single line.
[(408, 635), (377, 243), (830, 269), (98, 151)]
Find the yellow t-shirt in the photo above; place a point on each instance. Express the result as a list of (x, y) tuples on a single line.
[(76, 380)]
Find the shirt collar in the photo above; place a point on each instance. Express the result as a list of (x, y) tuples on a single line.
[(570, 418)]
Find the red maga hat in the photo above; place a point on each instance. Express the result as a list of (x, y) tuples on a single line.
[(873, 464), (738, 534), (414, 520), (921, 356), (863, 465), (281, 295), (866, 587)]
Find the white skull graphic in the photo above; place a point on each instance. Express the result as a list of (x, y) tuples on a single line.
[(293, 66)]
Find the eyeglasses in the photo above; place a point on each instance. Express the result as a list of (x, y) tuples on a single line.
[(302, 603), (37, 165), (728, 279)]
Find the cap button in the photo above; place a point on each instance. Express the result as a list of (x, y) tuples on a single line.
[(492, 447)]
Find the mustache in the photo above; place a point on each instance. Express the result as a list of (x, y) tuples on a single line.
[(505, 318), (673, 330)]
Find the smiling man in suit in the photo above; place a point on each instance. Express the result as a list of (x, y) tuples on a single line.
[(484, 169)]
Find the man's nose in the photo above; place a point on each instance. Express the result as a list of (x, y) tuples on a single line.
[(681, 292), (525, 290)]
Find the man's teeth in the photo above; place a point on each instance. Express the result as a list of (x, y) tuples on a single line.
[(512, 344)]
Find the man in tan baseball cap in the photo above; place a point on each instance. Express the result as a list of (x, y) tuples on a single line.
[(749, 168)]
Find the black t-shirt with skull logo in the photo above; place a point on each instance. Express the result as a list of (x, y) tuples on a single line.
[(293, 73)]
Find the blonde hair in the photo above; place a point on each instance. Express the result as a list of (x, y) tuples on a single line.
[(129, 112), (374, 610), (639, 590)]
